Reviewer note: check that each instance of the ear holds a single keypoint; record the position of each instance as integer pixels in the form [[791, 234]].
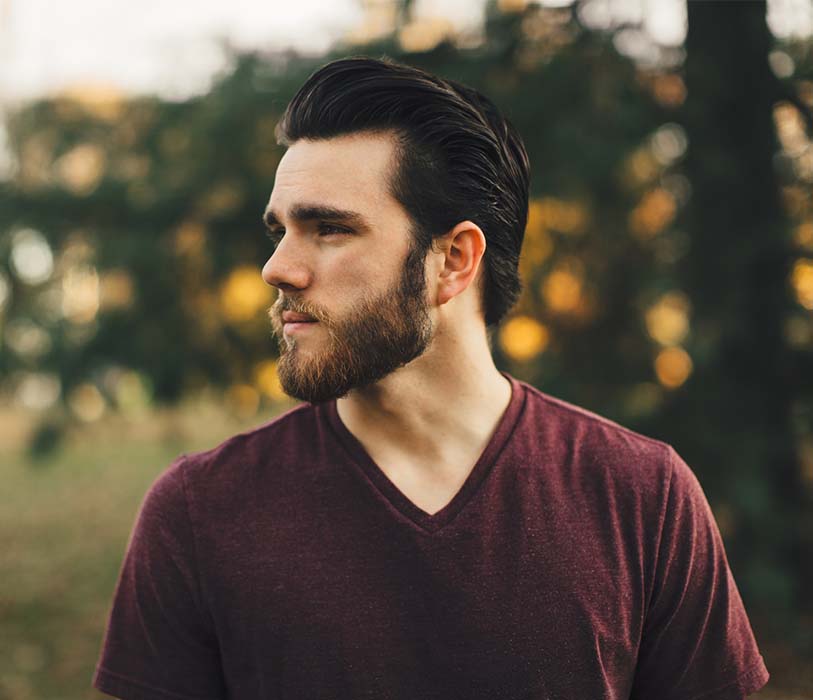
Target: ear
[[463, 248]]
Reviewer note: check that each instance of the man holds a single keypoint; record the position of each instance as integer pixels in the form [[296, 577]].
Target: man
[[423, 526]]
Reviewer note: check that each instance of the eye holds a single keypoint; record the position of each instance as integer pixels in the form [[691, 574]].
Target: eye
[[326, 229], [275, 235]]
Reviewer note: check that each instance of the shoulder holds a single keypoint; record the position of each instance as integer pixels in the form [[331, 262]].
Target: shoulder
[[591, 446], [229, 470], [266, 444]]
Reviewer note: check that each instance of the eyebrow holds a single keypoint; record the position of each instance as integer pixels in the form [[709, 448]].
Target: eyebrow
[[310, 212]]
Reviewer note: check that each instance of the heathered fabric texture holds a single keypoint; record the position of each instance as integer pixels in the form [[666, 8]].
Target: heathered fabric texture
[[578, 561]]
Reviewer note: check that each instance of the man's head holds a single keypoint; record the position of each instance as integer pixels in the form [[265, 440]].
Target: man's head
[[458, 158], [416, 159]]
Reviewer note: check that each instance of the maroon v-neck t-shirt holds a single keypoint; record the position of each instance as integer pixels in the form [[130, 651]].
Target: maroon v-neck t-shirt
[[579, 561]]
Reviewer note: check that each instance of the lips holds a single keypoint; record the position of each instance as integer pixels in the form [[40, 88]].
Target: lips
[[293, 317]]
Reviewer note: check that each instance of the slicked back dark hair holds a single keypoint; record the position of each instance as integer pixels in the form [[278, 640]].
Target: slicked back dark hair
[[458, 158]]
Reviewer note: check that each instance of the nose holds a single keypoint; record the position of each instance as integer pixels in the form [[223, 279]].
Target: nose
[[287, 268]]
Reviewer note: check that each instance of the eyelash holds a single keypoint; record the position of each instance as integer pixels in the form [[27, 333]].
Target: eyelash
[[324, 230]]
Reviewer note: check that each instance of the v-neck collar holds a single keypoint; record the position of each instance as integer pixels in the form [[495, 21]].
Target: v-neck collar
[[387, 490]]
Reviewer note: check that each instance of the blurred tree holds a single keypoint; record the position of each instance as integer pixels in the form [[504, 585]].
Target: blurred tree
[[749, 399], [149, 208]]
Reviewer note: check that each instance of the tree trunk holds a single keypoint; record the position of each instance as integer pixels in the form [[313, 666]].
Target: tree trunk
[[740, 400]]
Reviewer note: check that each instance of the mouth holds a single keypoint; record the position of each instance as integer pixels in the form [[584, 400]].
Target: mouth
[[293, 322], [293, 317]]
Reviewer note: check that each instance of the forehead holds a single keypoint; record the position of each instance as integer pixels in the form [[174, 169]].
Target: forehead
[[347, 172]]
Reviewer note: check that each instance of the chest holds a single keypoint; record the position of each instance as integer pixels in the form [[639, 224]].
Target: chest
[[517, 609]]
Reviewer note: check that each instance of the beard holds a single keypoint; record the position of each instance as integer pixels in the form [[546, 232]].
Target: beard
[[377, 336]]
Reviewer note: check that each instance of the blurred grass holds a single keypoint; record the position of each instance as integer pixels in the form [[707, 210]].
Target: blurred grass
[[64, 524]]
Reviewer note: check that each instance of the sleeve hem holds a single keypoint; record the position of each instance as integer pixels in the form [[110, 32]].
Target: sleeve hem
[[125, 688], [745, 684]]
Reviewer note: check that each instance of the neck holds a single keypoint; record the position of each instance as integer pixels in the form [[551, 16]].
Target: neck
[[435, 407]]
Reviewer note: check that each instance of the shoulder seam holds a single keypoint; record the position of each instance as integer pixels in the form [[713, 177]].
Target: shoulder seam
[[277, 419], [208, 452], [587, 413]]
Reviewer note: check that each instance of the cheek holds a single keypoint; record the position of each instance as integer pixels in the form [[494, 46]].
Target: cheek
[[351, 273]]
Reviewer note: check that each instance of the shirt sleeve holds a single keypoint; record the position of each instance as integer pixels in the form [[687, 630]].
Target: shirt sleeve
[[160, 642], [697, 642]]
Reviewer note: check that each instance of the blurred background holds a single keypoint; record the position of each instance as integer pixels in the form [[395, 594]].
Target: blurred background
[[667, 266]]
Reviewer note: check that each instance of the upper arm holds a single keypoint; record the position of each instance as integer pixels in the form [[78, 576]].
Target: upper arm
[[697, 639], [160, 640]]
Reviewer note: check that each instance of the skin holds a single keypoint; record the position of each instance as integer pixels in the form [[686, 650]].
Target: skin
[[426, 423]]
